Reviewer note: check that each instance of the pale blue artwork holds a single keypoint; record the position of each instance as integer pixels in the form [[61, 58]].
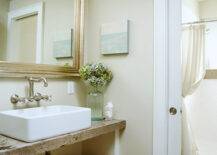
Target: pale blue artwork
[[62, 45], [115, 38]]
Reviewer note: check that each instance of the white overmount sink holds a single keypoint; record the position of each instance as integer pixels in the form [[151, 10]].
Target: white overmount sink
[[43, 122]]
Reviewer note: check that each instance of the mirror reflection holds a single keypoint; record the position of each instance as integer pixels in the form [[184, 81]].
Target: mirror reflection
[[34, 31]]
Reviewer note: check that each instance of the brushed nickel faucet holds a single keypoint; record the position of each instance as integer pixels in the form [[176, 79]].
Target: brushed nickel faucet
[[31, 84], [32, 96]]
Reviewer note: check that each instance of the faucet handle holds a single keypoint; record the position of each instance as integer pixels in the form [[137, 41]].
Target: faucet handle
[[39, 97], [47, 98], [14, 99]]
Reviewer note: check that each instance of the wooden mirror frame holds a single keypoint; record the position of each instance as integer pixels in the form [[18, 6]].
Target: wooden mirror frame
[[8, 69]]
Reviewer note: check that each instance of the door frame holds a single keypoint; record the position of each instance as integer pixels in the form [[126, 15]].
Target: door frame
[[167, 77], [34, 9]]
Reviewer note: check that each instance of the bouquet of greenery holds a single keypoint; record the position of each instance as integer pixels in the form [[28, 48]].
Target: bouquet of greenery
[[96, 75]]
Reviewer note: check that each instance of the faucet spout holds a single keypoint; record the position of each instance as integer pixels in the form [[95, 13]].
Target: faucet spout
[[40, 79], [32, 80]]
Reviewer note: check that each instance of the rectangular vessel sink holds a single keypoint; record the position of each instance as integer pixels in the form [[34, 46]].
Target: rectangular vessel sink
[[43, 122]]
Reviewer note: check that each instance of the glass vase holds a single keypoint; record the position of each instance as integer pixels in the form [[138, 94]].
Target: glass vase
[[95, 101]]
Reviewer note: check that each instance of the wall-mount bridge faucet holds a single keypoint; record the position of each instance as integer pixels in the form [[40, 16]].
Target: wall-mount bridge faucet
[[31, 84], [32, 96]]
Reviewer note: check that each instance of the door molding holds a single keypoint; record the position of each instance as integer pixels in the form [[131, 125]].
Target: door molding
[[167, 77], [34, 9]]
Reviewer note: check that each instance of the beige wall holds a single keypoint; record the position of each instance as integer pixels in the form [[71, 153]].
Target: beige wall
[[4, 7], [208, 9], [56, 88], [58, 20], [131, 90]]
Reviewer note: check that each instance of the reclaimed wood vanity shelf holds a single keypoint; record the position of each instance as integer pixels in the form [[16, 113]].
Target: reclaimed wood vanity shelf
[[16, 147]]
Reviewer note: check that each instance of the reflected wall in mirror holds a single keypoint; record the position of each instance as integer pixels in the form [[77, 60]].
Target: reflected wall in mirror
[[37, 31]]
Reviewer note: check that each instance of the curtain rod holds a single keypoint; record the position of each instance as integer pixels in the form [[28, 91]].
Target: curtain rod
[[202, 21]]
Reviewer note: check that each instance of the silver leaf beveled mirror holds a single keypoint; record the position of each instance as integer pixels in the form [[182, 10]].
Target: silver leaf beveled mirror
[[41, 38]]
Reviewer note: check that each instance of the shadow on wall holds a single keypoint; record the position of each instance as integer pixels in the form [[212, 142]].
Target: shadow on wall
[[81, 92], [3, 40]]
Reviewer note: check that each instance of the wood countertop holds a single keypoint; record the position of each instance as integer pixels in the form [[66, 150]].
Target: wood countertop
[[9, 146]]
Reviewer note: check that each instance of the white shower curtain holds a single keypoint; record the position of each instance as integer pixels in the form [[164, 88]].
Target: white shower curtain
[[193, 58], [193, 72]]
